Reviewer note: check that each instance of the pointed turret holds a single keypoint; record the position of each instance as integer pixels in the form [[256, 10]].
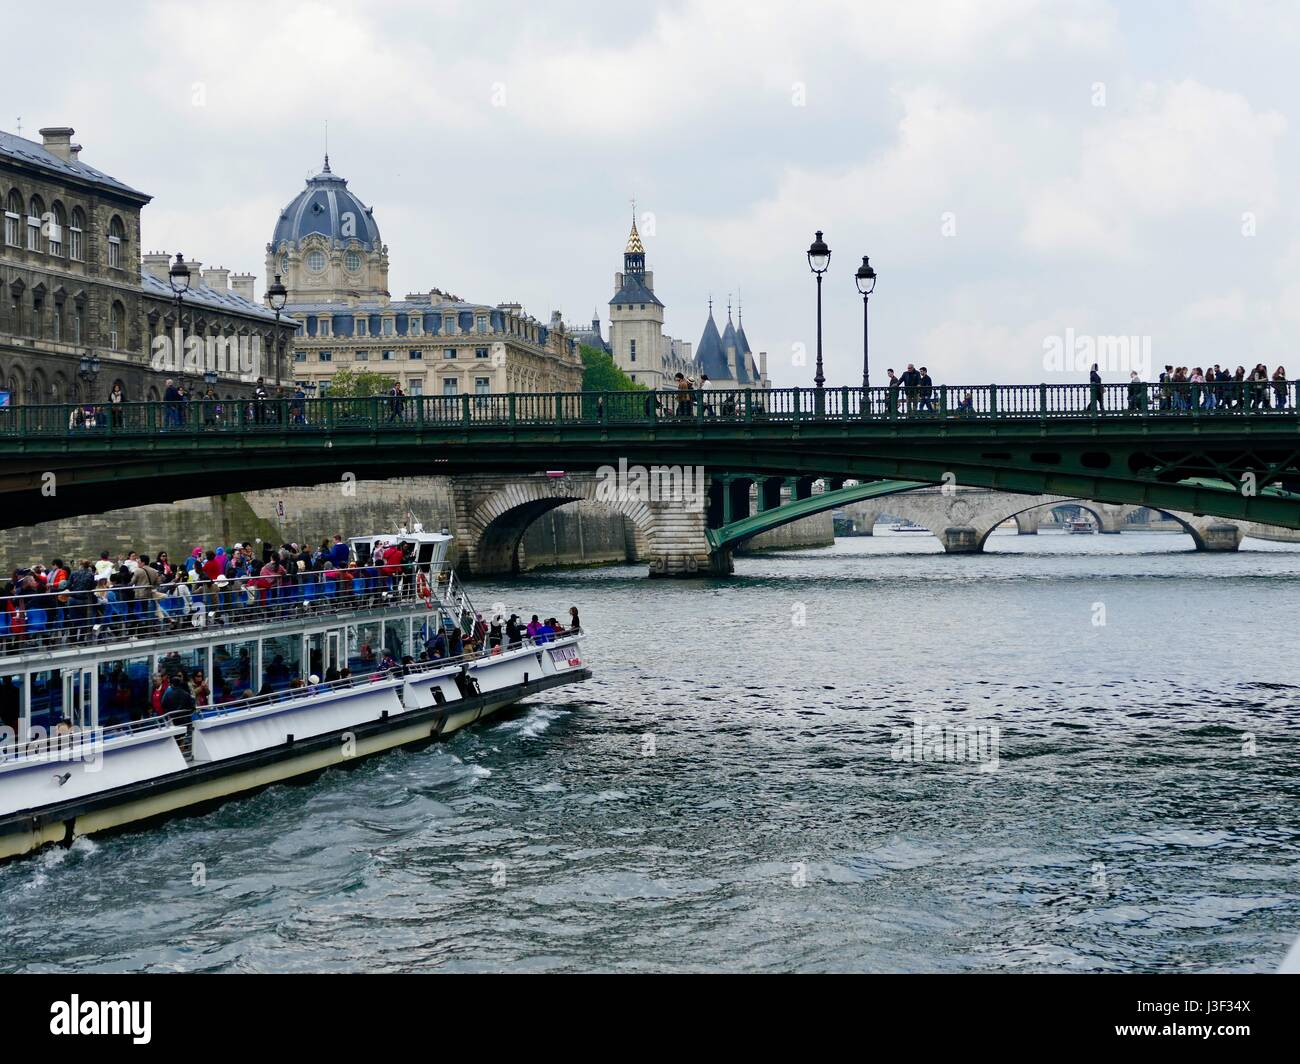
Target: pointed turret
[[710, 356], [744, 356]]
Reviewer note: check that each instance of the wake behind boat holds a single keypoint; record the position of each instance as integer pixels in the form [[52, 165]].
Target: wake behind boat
[[405, 658]]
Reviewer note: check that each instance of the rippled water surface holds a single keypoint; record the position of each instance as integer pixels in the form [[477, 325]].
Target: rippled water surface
[[729, 790]]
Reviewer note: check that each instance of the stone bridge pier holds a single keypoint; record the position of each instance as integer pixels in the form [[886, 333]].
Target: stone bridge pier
[[492, 514], [962, 518]]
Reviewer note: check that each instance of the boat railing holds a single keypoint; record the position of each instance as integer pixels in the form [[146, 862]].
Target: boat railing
[[84, 743], [43, 619], [398, 671]]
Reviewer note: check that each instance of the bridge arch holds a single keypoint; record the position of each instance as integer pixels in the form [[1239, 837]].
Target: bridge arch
[[1208, 533], [493, 523]]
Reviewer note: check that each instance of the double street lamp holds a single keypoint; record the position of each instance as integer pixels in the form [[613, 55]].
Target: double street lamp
[[88, 371]]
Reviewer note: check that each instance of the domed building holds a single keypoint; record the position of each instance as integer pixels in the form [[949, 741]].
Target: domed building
[[326, 244], [328, 253]]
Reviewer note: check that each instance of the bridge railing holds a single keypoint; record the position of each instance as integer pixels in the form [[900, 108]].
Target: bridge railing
[[372, 413]]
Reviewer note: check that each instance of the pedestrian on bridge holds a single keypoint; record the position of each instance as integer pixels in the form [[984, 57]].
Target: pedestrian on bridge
[[1095, 405], [892, 398], [912, 382], [1136, 394], [926, 390]]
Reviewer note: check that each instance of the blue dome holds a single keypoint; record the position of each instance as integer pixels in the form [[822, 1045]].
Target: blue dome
[[326, 207]]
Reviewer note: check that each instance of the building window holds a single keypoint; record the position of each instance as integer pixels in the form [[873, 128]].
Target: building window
[[316, 261], [361, 356], [450, 386], [13, 218], [633, 378], [33, 232], [415, 354], [300, 356], [352, 261], [362, 327], [284, 265], [387, 356], [58, 222], [115, 322], [116, 238], [388, 326], [480, 323], [480, 352], [414, 328], [415, 386], [323, 324], [449, 325], [322, 389], [58, 322], [78, 324], [449, 353], [632, 345], [326, 356], [76, 246], [482, 385]]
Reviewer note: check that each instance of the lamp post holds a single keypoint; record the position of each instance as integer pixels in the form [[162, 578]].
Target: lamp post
[[819, 258], [88, 371], [276, 295], [179, 279], [866, 282]]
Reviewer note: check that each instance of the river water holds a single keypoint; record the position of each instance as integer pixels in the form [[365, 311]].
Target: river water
[[742, 786]]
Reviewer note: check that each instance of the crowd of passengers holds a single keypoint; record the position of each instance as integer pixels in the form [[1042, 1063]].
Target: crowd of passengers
[[139, 595]]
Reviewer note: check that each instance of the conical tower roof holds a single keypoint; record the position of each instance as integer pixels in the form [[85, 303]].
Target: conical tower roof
[[710, 357]]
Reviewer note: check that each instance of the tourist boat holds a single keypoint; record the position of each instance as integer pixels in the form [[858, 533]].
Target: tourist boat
[[87, 757], [908, 526], [1080, 526]]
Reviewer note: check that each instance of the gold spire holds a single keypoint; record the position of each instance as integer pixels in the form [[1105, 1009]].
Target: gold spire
[[634, 245]]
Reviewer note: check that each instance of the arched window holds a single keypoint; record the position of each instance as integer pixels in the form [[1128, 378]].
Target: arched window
[[117, 326], [76, 243], [78, 322], [152, 396], [116, 243], [57, 228], [13, 218], [35, 209], [37, 390], [16, 386]]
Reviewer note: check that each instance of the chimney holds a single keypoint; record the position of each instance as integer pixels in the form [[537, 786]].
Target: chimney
[[156, 262], [242, 285], [57, 140], [217, 278], [762, 364], [196, 272]]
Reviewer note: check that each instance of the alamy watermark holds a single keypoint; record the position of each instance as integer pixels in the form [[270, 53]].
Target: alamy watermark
[[634, 483], [967, 743], [227, 356], [1076, 354]]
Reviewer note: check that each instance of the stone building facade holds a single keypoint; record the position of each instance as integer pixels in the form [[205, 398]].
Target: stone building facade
[[328, 253], [73, 285]]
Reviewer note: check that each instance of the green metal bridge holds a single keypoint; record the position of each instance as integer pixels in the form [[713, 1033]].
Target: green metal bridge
[[1233, 454]]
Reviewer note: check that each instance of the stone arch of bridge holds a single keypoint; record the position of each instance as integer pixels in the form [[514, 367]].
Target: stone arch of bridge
[[492, 526]]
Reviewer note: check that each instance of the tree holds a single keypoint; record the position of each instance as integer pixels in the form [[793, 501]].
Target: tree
[[357, 384], [601, 375]]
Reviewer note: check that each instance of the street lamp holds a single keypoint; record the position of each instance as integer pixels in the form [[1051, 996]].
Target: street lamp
[[276, 295], [819, 258], [179, 279], [866, 281], [88, 371]]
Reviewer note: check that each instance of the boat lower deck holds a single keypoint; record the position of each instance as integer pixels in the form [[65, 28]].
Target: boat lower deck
[[201, 786]]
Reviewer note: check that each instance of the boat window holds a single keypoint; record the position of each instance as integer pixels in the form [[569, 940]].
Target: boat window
[[232, 670], [397, 638], [425, 555], [46, 713], [11, 711], [123, 690], [281, 661], [363, 647]]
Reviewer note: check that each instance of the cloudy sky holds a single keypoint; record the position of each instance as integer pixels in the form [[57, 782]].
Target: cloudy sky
[[1015, 169]]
